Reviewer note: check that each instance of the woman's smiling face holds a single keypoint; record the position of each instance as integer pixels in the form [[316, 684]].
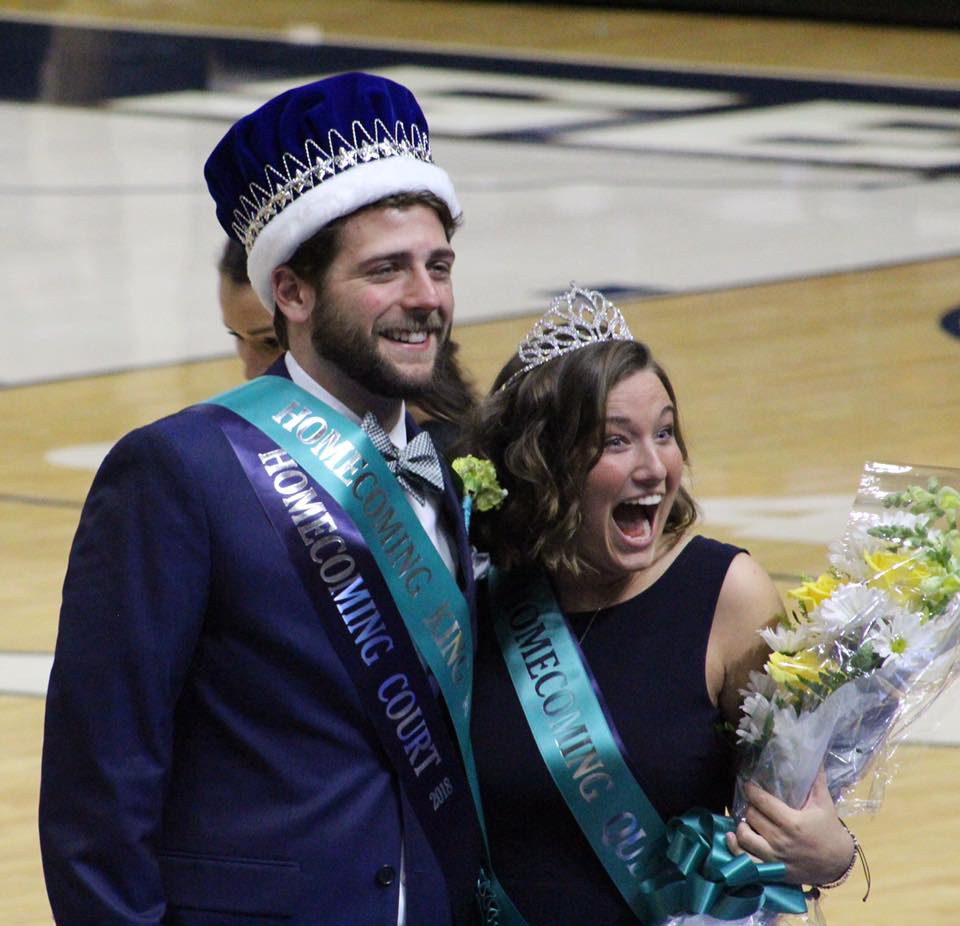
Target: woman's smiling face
[[630, 490]]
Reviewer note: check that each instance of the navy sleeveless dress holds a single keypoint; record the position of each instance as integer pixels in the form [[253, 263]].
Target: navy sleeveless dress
[[648, 655]]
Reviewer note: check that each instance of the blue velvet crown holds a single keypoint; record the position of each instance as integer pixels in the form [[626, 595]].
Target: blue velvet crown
[[313, 154]]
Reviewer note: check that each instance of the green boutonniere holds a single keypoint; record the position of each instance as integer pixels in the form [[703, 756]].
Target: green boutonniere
[[481, 489]]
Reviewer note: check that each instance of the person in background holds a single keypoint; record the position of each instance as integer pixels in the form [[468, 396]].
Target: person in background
[[245, 318], [267, 590], [614, 639]]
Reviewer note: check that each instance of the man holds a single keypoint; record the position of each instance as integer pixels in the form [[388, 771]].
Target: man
[[440, 413], [261, 685]]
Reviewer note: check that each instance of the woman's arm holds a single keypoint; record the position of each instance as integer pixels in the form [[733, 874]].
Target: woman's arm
[[748, 602]]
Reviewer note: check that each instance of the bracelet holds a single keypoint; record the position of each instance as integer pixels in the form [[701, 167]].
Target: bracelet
[[857, 854]]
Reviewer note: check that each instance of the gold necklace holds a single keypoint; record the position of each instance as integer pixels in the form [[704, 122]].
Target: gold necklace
[[589, 625]]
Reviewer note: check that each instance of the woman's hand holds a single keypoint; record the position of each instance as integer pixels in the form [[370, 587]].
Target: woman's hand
[[812, 842]]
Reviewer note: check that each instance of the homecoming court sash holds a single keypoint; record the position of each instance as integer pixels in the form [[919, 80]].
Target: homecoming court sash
[[383, 593], [660, 870]]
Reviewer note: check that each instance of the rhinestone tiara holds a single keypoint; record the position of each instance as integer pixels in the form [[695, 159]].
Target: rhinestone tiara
[[578, 318], [297, 175]]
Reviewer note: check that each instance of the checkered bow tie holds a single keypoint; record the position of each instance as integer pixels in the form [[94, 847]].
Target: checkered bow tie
[[416, 467]]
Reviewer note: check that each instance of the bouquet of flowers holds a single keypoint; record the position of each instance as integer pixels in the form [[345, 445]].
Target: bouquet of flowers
[[869, 645]]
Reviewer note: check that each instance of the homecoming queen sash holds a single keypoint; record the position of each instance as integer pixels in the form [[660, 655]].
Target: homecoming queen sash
[[661, 870], [382, 592]]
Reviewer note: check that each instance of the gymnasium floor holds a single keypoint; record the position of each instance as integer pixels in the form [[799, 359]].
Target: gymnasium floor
[[775, 205]]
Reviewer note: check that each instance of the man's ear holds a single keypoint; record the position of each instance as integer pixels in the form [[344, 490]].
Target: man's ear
[[294, 296]]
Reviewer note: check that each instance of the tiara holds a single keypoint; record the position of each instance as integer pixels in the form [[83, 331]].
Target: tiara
[[298, 175], [578, 318]]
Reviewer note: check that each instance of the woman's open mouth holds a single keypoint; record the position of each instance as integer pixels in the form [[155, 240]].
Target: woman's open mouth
[[637, 516]]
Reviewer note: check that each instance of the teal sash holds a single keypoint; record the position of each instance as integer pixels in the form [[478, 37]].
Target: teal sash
[[660, 870], [339, 456]]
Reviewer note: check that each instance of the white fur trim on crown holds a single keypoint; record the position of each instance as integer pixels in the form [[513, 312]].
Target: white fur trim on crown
[[339, 195]]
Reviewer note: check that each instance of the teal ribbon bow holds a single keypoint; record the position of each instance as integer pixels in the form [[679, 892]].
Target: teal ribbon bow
[[704, 877]]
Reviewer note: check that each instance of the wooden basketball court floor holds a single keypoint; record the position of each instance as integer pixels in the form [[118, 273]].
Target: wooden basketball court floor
[[775, 205]]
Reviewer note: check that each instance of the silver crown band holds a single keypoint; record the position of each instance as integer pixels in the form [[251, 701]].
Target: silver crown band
[[296, 176], [578, 318]]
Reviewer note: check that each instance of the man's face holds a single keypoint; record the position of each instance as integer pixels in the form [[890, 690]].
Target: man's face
[[386, 304]]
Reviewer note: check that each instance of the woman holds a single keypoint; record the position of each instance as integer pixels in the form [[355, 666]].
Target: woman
[[583, 429], [245, 319]]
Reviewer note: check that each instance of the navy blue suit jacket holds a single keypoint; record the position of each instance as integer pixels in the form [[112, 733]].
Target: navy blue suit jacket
[[206, 757]]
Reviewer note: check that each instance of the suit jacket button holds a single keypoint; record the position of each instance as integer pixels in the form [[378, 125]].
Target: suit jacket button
[[385, 875]]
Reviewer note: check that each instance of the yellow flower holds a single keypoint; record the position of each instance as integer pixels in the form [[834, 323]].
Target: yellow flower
[[812, 592], [948, 498], [950, 585], [804, 666], [902, 575]]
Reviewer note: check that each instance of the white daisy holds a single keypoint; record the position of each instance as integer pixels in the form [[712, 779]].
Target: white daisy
[[755, 709], [761, 683], [849, 609], [903, 632], [784, 639]]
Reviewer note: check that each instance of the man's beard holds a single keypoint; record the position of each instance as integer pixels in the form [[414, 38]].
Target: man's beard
[[355, 353]]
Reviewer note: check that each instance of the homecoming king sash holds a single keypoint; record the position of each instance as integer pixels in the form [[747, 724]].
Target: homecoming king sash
[[661, 870], [384, 596]]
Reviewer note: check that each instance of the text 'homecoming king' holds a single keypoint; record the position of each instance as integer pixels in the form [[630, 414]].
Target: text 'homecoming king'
[[341, 457]]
